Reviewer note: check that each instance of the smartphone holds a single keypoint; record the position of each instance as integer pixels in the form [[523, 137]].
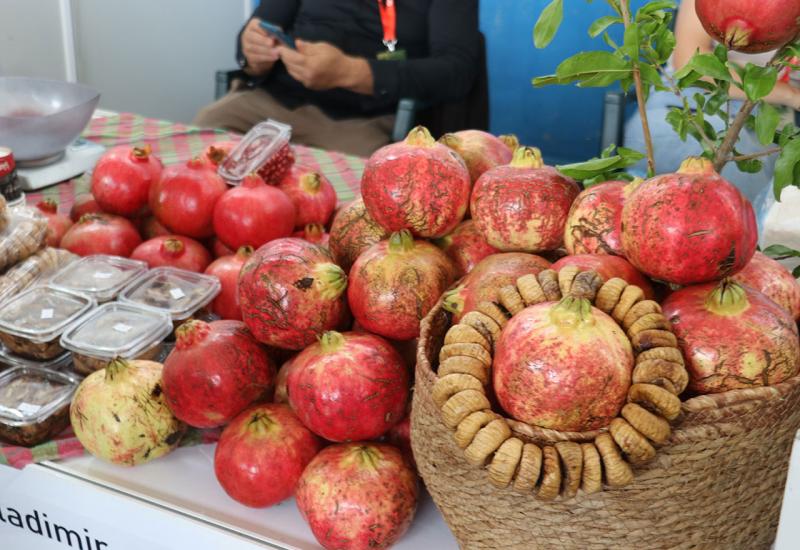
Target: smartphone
[[278, 32]]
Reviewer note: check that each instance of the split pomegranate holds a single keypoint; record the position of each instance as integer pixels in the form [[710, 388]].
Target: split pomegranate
[[84, 204], [281, 392], [57, 224], [215, 154], [353, 231], [313, 233], [218, 248], [594, 222], [395, 283], [480, 150], [227, 269], [262, 453], [252, 214], [750, 26], [122, 178], [689, 227], [101, 234], [348, 387], [608, 267], [416, 184], [313, 196], [359, 496], [290, 292], [183, 199], [173, 251], [151, 228], [524, 205], [466, 246], [215, 371], [563, 366], [774, 281], [732, 337]]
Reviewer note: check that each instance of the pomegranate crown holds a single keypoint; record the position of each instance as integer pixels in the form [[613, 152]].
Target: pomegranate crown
[[728, 298], [141, 153], [420, 137], [527, 157], [190, 333], [172, 246], [401, 241], [331, 341], [696, 165], [115, 369]]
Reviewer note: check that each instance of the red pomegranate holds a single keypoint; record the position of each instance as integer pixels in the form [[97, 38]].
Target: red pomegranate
[[563, 365], [281, 391], [313, 233], [122, 178], [523, 205], [290, 292], [214, 154], [311, 193], [395, 283], [57, 224], [750, 26], [262, 454], [353, 231], [101, 234], [594, 222], [400, 436], [732, 337], [227, 269], [491, 273], [84, 204], [359, 496], [608, 267], [173, 251], [348, 387], [416, 184], [218, 248], [688, 227], [774, 281], [480, 150], [466, 246], [252, 214], [151, 228], [183, 199], [215, 371]]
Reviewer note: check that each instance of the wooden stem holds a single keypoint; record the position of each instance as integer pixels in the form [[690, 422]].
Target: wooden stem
[[764, 153]]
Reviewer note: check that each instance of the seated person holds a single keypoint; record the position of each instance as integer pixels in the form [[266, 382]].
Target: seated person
[[340, 87], [670, 151]]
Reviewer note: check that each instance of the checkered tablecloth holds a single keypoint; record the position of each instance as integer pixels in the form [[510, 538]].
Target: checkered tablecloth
[[172, 143]]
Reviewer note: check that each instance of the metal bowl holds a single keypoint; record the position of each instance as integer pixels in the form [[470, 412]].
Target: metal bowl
[[39, 117]]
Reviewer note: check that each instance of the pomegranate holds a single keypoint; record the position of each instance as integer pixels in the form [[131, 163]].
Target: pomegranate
[[608, 267], [480, 150], [151, 228], [227, 269], [732, 337], [57, 224], [183, 199], [359, 496], [311, 193], [750, 26], [594, 222], [277, 165], [281, 391], [313, 233], [563, 365], [353, 231], [491, 273], [101, 234], [214, 154], [84, 204], [416, 184], [262, 453], [348, 387], [120, 414], [688, 227], [122, 178], [395, 283], [218, 248], [173, 251], [466, 246], [253, 213], [215, 371], [399, 435], [523, 205], [290, 291], [774, 281]]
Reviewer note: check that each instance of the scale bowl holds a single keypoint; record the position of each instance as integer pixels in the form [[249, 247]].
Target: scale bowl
[[40, 117]]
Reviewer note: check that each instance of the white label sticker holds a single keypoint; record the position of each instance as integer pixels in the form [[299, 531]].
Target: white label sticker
[[122, 327], [47, 313], [176, 293], [28, 408], [103, 275]]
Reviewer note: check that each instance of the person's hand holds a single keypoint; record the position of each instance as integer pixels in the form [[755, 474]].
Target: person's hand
[[259, 48], [317, 65]]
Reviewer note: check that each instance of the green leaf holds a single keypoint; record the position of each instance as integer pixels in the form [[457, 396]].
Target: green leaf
[[590, 168], [630, 43], [758, 81], [610, 41], [600, 80], [548, 23], [678, 120], [721, 53], [630, 156], [738, 69], [587, 64], [750, 166], [796, 272], [767, 121], [664, 44], [602, 24], [546, 80], [656, 5], [785, 166], [651, 76], [709, 65], [780, 252]]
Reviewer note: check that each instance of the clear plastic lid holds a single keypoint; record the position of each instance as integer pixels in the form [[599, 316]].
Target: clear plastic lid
[[177, 292], [9, 359], [31, 394], [41, 314], [101, 277], [254, 150], [116, 330]]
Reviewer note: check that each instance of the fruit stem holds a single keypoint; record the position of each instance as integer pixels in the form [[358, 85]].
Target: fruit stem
[[572, 311], [420, 137], [331, 280], [310, 182], [527, 157], [172, 248], [245, 251], [696, 165], [115, 369], [331, 341], [728, 298], [141, 153], [401, 241]]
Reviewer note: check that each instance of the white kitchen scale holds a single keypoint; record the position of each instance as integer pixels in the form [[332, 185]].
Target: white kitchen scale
[[79, 157]]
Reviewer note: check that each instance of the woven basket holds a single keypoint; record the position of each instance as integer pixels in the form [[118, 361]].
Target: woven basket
[[717, 484]]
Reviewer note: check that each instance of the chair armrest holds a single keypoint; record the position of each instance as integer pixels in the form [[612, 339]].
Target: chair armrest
[[224, 79], [613, 119]]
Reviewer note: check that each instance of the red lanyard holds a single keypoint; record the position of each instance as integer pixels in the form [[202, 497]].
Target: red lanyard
[[389, 22]]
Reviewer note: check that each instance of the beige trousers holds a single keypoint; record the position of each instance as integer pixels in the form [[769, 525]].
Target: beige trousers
[[241, 109]]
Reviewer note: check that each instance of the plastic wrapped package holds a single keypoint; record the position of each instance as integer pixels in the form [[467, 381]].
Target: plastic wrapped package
[[8, 360], [34, 269], [101, 277], [265, 145], [24, 234]]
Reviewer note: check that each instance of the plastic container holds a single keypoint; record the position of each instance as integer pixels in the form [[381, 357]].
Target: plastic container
[[10, 360], [34, 404], [32, 322], [34, 270], [176, 292], [255, 149], [115, 330], [101, 277]]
